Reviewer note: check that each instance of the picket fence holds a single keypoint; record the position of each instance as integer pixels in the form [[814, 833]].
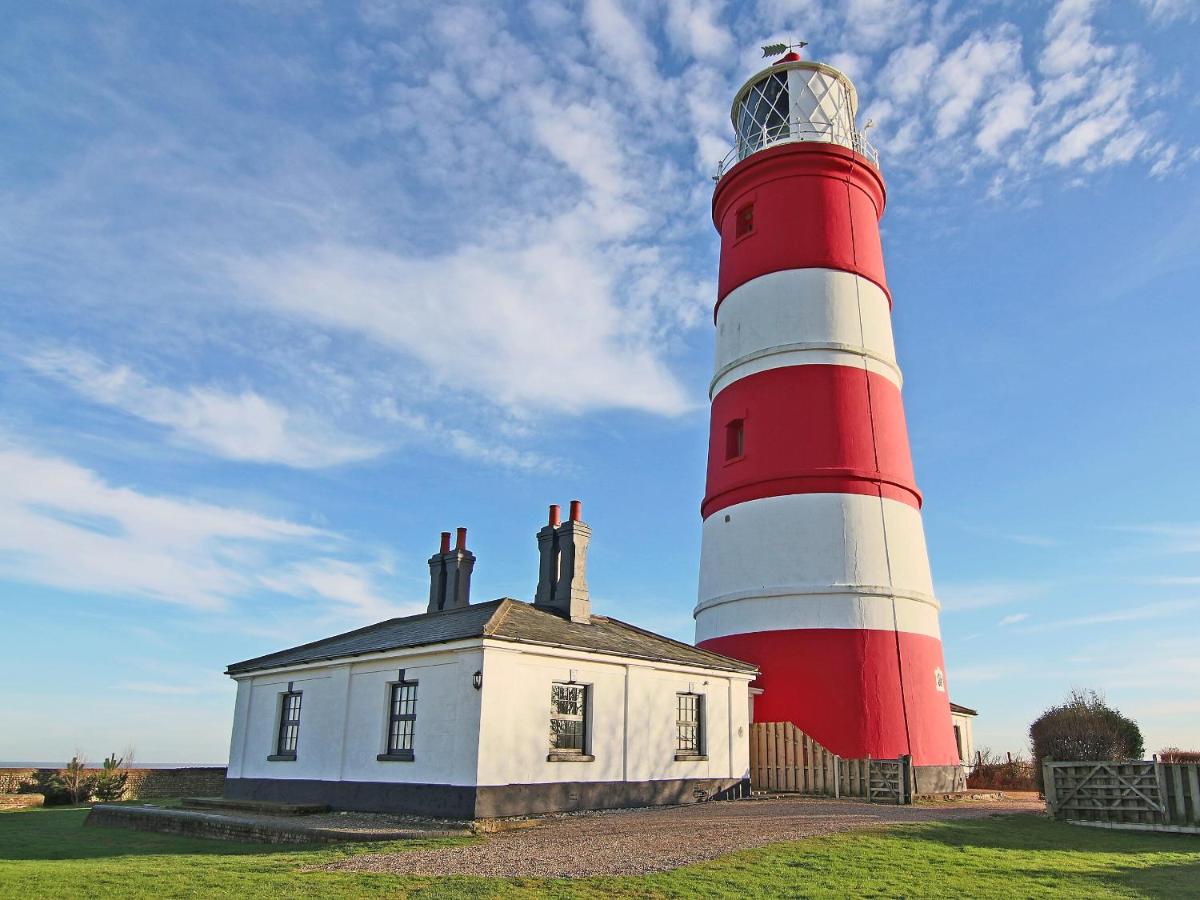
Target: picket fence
[[784, 758]]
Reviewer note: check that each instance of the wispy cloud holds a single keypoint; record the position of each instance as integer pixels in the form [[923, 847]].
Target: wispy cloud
[[1114, 616], [1168, 11], [1013, 619], [64, 526], [968, 596], [241, 426]]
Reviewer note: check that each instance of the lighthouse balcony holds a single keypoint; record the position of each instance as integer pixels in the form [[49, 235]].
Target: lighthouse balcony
[[797, 132]]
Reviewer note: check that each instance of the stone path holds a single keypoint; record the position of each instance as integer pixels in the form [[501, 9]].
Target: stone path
[[634, 842]]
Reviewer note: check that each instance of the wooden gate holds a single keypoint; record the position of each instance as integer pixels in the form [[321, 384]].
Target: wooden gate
[[1136, 794], [887, 780], [784, 758]]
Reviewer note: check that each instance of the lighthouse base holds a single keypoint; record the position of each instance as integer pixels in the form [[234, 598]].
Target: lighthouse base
[[857, 692], [939, 779]]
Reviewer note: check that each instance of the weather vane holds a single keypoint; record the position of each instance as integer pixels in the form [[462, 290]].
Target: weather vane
[[779, 49]]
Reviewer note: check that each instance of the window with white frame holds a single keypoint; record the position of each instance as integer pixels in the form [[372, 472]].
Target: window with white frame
[[568, 718], [689, 724]]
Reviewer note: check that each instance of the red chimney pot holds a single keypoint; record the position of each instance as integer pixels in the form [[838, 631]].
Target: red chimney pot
[[445, 542], [460, 543], [555, 515], [576, 510]]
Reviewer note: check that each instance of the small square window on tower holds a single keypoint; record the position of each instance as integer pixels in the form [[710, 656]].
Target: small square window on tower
[[735, 439], [745, 221]]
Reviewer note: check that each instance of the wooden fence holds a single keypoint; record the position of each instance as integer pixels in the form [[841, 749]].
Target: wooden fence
[[1132, 794], [784, 758]]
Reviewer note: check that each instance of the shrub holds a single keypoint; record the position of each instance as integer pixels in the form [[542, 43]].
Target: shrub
[[78, 781], [110, 781], [1001, 774], [49, 784], [1175, 755], [1084, 728]]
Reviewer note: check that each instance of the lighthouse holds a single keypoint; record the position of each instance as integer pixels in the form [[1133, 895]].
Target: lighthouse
[[813, 559]]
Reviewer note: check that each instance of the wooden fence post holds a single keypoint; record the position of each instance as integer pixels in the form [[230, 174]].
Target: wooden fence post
[[1048, 784]]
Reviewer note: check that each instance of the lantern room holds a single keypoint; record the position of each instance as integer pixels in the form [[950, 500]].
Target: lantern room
[[796, 100]]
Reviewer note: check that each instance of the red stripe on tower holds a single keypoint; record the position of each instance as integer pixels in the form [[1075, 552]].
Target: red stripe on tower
[[813, 562]]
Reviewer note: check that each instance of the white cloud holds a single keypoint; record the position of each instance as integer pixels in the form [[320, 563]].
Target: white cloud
[[64, 526], [978, 67], [966, 596], [241, 426], [465, 444], [694, 27], [1005, 114], [529, 326], [349, 584], [878, 23], [1135, 613], [1167, 11], [1014, 619]]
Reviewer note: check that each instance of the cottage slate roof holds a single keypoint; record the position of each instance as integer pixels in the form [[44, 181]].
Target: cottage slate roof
[[962, 710], [505, 620]]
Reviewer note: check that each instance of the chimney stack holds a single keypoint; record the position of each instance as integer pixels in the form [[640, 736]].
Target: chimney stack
[[450, 574], [562, 573]]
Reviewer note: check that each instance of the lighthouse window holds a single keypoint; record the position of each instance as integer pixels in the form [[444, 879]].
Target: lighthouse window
[[735, 439], [745, 221], [763, 114]]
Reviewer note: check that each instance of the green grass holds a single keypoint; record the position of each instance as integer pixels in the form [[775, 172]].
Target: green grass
[[47, 853]]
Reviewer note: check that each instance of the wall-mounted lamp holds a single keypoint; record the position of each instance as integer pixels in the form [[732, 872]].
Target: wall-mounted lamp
[[477, 680]]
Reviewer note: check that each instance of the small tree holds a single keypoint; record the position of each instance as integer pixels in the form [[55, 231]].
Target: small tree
[[77, 780], [1083, 728], [111, 780]]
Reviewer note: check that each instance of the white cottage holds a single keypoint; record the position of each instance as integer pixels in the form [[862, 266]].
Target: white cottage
[[493, 709]]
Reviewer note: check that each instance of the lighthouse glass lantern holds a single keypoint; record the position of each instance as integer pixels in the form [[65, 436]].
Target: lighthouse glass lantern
[[813, 559], [796, 100]]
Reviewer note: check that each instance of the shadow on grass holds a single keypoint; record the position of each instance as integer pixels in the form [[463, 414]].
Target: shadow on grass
[[59, 833]]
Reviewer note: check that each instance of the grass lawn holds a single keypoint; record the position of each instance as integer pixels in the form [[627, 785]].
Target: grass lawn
[[48, 853]]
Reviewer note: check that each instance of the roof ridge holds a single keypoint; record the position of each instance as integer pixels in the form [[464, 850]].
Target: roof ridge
[[497, 618], [353, 631]]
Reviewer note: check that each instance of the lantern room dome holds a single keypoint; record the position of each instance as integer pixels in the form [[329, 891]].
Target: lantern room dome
[[796, 100]]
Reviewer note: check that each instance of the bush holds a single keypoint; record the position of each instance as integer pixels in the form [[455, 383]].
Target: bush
[[110, 781], [49, 784], [991, 772], [1175, 755], [1084, 728]]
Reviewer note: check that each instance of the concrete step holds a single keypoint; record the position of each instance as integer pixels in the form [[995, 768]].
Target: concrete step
[[257, 807], [232, 826]]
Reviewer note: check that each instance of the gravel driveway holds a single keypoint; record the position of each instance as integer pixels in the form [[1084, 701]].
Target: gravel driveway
[[634, 842]]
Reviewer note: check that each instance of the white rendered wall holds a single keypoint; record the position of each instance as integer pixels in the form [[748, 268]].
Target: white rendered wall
[[496, 736], [815, 561], [964, 724], [343, 721], [804, 317], [631, 719]]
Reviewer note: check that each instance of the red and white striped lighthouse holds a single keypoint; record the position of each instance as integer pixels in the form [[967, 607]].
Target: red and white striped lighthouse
[[813, 563]]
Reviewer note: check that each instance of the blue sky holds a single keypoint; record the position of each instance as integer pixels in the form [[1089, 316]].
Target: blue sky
[[288, 288]]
